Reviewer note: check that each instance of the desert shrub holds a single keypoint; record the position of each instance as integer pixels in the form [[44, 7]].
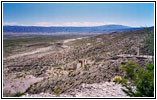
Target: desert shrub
[[139, 81], [94, 63], [57, 91], [18, 94], [118, 79]]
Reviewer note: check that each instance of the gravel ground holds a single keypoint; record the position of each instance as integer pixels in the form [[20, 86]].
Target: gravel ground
[[107, 89]]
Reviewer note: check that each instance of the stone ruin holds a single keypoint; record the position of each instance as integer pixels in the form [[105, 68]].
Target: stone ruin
[[138, 51], [76, 65], [83, 62]]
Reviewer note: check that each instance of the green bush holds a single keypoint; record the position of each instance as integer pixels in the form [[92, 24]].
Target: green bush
[[18, 94], [140, 81]]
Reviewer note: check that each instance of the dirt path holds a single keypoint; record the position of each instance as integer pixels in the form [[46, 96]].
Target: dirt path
[[39, 50], [28, 53], [69, 40]]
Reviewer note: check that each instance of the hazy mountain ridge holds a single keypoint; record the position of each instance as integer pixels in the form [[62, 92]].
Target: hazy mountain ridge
[[104, 28]]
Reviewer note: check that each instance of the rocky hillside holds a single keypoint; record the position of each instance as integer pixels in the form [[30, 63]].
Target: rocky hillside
[[67, 65]]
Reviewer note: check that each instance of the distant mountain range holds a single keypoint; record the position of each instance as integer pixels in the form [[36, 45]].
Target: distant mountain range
[[93, 29]]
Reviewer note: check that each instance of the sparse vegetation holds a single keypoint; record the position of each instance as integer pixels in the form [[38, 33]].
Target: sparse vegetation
[[61, 67]]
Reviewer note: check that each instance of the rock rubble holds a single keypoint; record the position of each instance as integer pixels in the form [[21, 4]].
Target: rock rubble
[[107, 89]]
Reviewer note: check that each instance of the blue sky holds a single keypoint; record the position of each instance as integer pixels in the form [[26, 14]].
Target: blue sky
[[78, 14]]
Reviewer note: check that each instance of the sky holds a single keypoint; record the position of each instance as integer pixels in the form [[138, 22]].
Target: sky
[[78, 14]]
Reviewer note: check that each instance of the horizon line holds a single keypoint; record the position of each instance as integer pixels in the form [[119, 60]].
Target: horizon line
[[76, 26]]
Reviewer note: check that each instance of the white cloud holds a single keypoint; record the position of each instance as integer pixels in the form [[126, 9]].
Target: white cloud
[[43, 24], [73, 24], [9, 23], [47, 24]]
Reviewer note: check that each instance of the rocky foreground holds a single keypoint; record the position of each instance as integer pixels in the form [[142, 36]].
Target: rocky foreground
[[107, 89]]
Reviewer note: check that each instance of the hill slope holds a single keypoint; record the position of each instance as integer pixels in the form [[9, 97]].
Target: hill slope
[[67, 65]]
